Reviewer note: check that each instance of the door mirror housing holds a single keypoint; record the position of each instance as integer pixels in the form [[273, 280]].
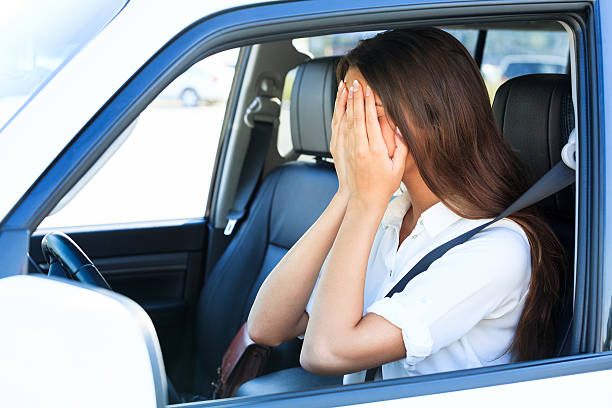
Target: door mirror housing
[[68, 344]]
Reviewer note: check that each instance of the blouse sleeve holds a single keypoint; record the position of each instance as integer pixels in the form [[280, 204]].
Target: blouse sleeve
[[486, 277]]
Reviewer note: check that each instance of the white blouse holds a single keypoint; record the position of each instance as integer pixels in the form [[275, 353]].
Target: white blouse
[[460, 313]]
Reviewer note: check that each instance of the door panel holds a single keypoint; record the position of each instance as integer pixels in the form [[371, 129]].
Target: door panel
[[146, 277], [159, 267]]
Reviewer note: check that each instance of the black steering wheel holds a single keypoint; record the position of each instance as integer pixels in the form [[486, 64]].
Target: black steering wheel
[[68, 261]]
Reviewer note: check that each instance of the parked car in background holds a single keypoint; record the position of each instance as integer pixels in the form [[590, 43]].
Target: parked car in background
[[205, 82], [512, 66], [147, 190]]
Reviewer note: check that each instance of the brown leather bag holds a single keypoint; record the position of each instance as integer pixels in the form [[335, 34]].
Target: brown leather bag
[[243, 361]]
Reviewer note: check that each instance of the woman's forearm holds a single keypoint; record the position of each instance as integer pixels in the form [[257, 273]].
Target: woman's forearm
[[278, 313], [338, 303]]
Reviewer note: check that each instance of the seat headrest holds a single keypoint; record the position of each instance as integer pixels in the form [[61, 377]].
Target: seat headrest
[[312, 106], [536, 116]]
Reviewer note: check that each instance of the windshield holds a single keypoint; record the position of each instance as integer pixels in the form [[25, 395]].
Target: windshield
[[37, 37]]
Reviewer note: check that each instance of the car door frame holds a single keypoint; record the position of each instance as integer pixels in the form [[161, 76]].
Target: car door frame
[[272, 21]]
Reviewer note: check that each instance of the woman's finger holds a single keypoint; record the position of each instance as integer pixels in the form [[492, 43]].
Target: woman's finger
[[359, 126], [339, 108], [400, 153], [340, 104], [348, 117], [375, 137]]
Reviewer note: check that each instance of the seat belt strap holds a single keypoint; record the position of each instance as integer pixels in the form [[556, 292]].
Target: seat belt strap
[[555, 180], [259, 142]]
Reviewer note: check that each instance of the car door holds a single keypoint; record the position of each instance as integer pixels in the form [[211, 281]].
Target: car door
[[139, 212]]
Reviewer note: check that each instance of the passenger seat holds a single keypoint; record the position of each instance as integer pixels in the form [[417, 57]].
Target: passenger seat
[[536, 116]]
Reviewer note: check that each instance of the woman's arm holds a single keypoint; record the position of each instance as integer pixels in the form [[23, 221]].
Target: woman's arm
[[338, 340], [278, 313]]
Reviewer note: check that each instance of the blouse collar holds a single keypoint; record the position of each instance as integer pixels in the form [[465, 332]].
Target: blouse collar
[[435, 219]]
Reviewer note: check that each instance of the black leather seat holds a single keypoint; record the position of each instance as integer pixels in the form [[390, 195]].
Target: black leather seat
[[536, 116], [287, 203]]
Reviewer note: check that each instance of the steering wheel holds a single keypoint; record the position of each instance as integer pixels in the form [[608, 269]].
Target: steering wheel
[[68, 261]]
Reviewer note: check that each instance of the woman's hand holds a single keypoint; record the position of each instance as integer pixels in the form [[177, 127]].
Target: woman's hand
[[336, 145], [372, 173]]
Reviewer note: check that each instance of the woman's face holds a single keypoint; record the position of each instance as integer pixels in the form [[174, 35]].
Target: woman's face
[[387, 126]]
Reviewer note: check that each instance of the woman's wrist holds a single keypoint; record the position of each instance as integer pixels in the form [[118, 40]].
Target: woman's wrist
[[342, 196], [367, 207]]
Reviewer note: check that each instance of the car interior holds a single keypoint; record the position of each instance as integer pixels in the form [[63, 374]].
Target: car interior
[[198, 278]]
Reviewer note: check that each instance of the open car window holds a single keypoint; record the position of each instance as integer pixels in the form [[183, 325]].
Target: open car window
[[161, 167]]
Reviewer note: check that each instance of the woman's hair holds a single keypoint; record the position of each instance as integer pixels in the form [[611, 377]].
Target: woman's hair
[[432, 89]]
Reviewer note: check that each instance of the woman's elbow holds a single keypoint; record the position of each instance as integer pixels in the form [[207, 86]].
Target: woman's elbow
[[261, 335], [319, 358]]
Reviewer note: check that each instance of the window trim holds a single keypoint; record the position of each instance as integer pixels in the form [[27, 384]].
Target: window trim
[[408, 387]]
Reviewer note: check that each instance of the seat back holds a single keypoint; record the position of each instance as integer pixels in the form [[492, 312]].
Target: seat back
[[288, 202], [536, 116]]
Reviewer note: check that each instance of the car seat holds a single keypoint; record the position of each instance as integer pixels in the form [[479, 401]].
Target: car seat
[[287, 203], [536, 116]]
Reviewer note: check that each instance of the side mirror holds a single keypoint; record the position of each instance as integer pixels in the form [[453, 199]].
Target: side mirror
[[66, 344]]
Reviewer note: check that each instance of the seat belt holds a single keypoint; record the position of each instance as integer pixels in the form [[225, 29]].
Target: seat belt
[[555, 180], [262, 117]]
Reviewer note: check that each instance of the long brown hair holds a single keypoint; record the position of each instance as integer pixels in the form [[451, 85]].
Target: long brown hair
[[432, 89]]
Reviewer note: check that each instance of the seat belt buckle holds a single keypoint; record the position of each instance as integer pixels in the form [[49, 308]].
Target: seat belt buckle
[[233, 217]]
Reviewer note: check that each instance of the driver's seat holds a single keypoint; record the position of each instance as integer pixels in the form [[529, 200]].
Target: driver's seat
[[288, 202]]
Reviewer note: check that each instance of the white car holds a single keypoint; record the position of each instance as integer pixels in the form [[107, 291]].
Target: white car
[[205, 81], [515, 65], [155, 302]]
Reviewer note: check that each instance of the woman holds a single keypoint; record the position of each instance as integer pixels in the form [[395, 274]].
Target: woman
[[416, 111]]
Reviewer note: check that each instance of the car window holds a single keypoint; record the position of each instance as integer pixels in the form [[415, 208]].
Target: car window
[[163, 163], [337, 44], [511, 53]]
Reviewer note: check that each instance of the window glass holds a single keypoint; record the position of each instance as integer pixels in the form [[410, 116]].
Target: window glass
[[328, 45], [37, 37], [511, 53], [467, 37], [337, 44], [162, 171], [340, 44]]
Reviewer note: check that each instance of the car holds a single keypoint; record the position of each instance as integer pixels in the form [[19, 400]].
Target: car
[[204, 81], [179, 273], [516, 65]]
